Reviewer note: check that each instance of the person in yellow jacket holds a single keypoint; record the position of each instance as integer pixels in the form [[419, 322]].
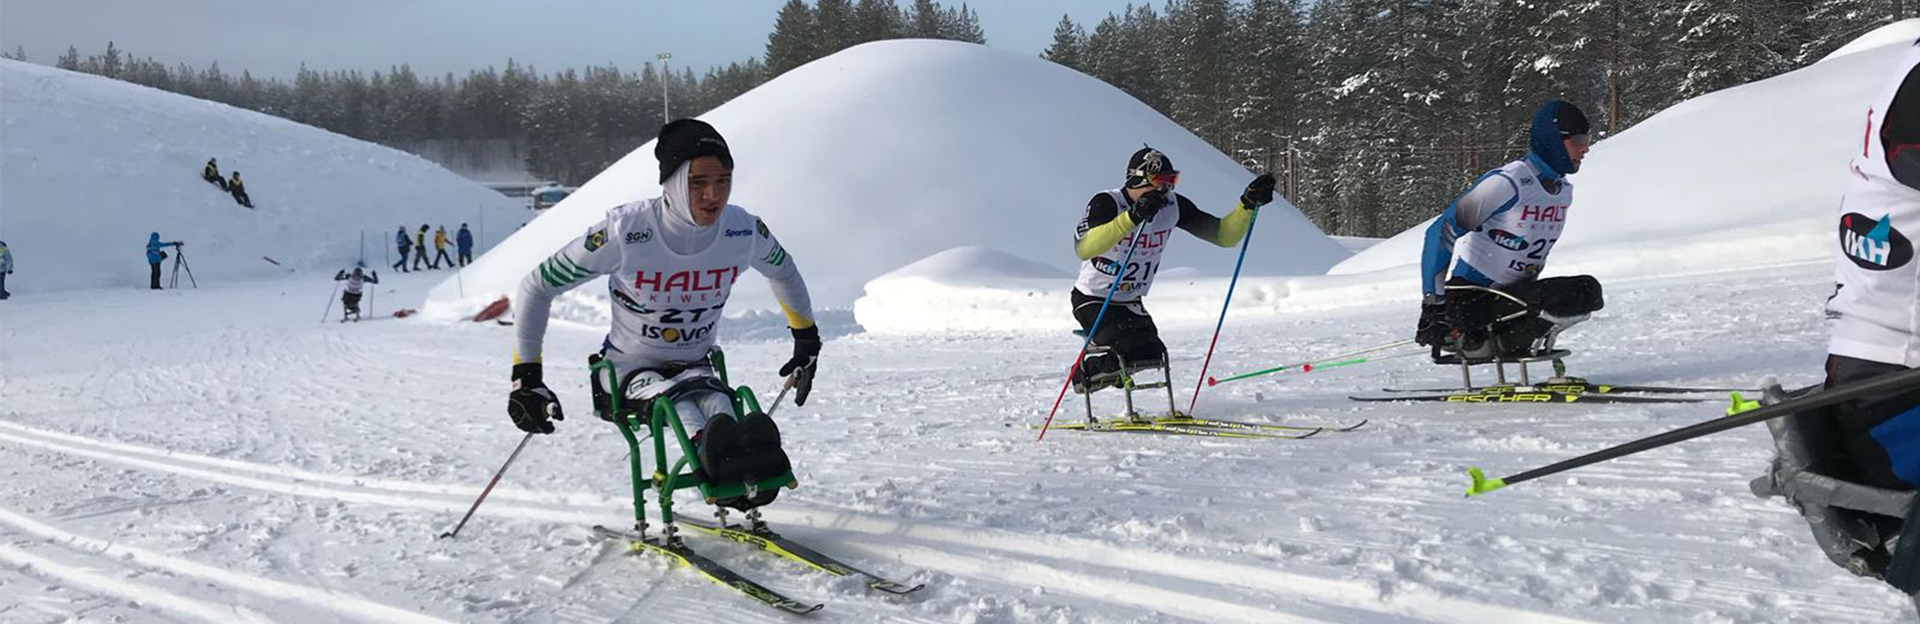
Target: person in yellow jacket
[[211, 173], [420, 249], [440, 248], [239, 191]]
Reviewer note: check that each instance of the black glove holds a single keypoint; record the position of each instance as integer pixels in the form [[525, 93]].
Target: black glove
[[1434, 329], [531, 404], [806, 357], [1148, 206], [1259, 192]]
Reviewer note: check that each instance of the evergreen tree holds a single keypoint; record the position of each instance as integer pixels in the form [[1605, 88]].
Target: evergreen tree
[[791, 44], [925, 20], [832, 26], [1069, 41], [877, 20]]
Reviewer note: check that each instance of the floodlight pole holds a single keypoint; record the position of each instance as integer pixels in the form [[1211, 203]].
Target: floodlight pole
[[666, 103]]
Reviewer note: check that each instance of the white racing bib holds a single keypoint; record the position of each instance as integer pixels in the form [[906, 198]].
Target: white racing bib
[[1147, 243], [1511, 247]]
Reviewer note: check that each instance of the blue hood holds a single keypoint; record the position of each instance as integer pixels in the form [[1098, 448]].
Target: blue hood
[[153, 238], [1544, 137]]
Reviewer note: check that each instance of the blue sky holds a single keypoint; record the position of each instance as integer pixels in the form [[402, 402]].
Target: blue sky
[[272, 37]]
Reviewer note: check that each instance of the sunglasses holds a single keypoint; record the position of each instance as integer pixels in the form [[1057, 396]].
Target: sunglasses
[[1164, 180]]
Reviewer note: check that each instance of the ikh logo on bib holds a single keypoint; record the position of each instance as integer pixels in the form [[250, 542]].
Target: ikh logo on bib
[[1873, 244], [1508, 240]]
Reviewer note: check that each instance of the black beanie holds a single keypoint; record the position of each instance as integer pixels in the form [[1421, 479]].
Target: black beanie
[[682, 140]]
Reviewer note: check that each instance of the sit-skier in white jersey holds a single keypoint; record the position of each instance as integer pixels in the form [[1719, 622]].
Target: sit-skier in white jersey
[[672, 262]]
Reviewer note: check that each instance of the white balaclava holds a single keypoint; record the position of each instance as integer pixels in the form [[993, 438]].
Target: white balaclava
[[680, 233]]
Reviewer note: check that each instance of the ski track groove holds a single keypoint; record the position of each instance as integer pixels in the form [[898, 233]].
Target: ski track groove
[[142, 596], [941, 540], [349, 606]]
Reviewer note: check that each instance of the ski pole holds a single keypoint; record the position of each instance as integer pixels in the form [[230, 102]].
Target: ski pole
[[1308, 368], [489, 489], [1119, 271], [329, 308], [1244, 244], [1909, 378], [784, 387], [1310, 363]]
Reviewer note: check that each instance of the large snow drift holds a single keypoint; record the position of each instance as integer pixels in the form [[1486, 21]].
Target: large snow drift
[[872, 158], [1740, 177], [89, 166]]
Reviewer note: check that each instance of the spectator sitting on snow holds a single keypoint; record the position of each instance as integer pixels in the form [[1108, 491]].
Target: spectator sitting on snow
[[465, 240], [239, 191], [154, 256], [6, 268], [350, 298], [212, 174]]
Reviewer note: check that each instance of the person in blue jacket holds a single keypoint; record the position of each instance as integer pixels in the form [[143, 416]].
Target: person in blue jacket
[[405, 243], [154, 256], [465, 240], [1509, 219]]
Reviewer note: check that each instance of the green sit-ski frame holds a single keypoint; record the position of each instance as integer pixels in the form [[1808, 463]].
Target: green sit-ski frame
[[687, 472]]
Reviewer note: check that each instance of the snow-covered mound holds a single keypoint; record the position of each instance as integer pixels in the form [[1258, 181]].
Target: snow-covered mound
[[1902, 32], [966, 288], [89, 166], [869, 159], [1741, 177]]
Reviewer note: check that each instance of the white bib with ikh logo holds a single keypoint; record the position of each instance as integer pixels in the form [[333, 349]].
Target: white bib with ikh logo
[[1511, 247], [1875, 309], [1136, 278]]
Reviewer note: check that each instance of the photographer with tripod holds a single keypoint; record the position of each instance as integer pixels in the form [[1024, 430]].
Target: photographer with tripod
[[155, 255]]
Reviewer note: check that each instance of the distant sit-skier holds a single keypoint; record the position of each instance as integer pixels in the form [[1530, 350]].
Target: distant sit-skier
[[666, 306], [156, 253], [1511, 218], [420, 249], [405, 243], [440, 248], [464, 240], [239, 191], [6, 268], [1851, 468], [211, 173], [1140, 216], [350, 298]]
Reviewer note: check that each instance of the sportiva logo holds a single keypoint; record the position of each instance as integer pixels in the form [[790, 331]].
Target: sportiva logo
[[1508, 240], [734, 233], [1873, 244]]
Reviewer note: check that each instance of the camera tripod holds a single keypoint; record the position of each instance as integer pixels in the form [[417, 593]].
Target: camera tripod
[[180, 260]]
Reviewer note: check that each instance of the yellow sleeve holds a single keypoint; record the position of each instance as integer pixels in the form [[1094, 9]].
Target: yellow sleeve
[[1234, 226], [1100, 238]]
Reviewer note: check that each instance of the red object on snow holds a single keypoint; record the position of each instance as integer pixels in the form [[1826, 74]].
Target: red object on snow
[[404, 313], [493, 310]]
